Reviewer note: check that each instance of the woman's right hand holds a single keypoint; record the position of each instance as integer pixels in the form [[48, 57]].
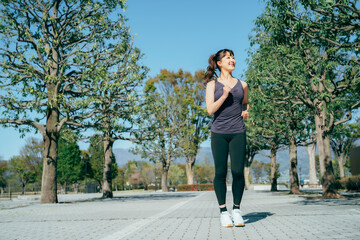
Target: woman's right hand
[[226, 90]]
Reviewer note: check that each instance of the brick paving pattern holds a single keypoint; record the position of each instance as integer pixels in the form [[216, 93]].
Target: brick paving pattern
[[179, 215]]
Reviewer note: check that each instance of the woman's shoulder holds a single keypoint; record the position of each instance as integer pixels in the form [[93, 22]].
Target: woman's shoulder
[[243, 83], [211, 83]]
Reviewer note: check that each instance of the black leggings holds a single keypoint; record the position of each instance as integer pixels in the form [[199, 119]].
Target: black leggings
[[221, 146]]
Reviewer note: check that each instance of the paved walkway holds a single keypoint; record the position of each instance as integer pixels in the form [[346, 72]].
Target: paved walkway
[[179, 215]]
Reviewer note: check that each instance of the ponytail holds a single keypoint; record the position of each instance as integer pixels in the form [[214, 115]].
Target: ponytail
[[210, 71]]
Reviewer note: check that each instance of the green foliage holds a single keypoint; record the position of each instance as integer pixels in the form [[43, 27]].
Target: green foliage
[[96, 154], [343, 138], [139, 173], [3, 173], [205, 172], [176, 174], [27, 166], [69, 167]]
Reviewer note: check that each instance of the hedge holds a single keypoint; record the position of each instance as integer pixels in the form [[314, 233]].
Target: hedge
[[195, 187], [350, 183]]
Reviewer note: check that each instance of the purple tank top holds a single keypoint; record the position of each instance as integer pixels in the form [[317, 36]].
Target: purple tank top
[[228, 119]]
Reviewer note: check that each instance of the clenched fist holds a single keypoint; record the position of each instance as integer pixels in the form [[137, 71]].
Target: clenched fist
[[245, 114]]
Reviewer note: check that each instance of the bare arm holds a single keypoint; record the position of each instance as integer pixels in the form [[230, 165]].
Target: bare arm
[[211, 105]]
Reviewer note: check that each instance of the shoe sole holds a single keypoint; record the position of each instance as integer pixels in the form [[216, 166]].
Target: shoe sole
[[240, 225], [228, 226]]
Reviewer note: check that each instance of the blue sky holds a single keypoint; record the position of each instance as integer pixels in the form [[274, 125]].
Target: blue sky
[[176, 34]]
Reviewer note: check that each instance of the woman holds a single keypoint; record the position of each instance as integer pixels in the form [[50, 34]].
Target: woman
[[227, 99]]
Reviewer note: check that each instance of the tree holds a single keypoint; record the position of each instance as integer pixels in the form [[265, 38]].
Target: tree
[[331, 71], [69, 168], [280, 116], [160, 120], [254, 144], [27, 166], [267, 129], [190, 92], [96, 159], [113, 95], [310, 148], [342, 140], [119, 180], [49, 50], [325, 35]]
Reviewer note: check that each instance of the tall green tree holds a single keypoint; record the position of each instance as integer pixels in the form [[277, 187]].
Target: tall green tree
[[331, 72], [48, 52], [280, 116], [69, 167], [190, 91], [96, 159], [113, 95], [266, 124], [159, 121]]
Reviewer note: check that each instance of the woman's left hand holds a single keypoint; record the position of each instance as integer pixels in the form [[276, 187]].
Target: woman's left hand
[[245, 114]]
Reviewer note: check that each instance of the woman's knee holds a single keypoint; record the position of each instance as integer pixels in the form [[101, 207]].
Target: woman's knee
[[237, 174], [220, 175]]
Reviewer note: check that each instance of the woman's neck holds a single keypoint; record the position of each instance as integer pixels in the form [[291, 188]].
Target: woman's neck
[[225, 75]]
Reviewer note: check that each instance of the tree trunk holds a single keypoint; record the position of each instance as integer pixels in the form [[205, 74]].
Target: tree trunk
[[319, 126], [323, 142], [2, 191], [107, 178], [294, 179], [76, 188], [51, 138], [164, 174], [23, 188], [341, 160], [310, 148], [273, 177], [190, 161]]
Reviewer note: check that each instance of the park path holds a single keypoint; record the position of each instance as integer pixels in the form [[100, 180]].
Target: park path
[[179, 215]]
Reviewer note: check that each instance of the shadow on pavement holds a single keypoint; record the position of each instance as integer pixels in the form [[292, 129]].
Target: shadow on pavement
[[157, 196], [328, 202], [256, 216], [134, 197]]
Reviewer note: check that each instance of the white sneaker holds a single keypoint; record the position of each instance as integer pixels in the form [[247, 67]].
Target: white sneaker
[[225, 219], [238, 220]]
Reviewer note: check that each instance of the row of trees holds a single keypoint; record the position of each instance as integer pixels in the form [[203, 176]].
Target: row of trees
[[304, 74], [75, 168]]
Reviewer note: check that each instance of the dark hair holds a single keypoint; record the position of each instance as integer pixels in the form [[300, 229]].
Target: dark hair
[[213, 59]]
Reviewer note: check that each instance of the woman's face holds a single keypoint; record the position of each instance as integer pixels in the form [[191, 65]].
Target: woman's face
[[227, 62]]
